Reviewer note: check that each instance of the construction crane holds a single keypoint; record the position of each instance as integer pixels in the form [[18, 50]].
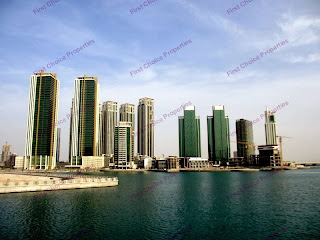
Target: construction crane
[[280, 141]]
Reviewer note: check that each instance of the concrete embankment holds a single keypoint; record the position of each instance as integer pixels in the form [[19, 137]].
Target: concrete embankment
[[245, 170], [205, 170], [12, 183], [123, 170]]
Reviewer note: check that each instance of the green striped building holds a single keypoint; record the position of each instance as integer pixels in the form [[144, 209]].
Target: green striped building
[[85, 132], [218, 136], [41, 134], [189, 133]]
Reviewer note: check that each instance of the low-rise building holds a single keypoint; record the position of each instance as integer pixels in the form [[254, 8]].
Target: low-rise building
[[236, 161], [19, 162], [172, 162], [94, 162], [198, 163], [161, 163], [269, 155], [142, 161]]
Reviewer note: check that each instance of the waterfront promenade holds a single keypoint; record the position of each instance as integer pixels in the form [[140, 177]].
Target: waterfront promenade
[[41, 181]]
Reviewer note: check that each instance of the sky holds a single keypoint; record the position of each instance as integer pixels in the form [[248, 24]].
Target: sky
[[221, 36]]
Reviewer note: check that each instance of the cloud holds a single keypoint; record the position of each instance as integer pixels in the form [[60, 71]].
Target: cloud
[[212, 19], [301, 30], [311, 58]]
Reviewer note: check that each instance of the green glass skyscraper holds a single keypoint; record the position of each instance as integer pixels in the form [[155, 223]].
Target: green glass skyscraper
[[189, 133], [218, 135], [245, 145], [85, 119], [41, 137]]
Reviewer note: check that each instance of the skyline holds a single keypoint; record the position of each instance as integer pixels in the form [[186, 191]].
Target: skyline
[[196, 73]]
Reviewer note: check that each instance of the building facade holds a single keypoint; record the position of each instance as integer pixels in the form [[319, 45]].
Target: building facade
[[58, 144], [19, 162], [127, 114], [218, 135], [269, 155], [41, 134], [228, 135], [94, 162], [145, 162], [245, 144], [123, 151], [198, 163], [270, 128], [109, 119], [189, 133], [172, 162], [70, 130], [85, 120], [12, 161], [146, 127], [6, 153]]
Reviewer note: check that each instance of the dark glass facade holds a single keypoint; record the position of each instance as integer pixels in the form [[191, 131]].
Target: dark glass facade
[[189, 135], [218, 138], [86, 117], [245, 145], [44, 119]]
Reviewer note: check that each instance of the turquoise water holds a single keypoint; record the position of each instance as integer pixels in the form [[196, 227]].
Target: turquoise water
[[188, 205]]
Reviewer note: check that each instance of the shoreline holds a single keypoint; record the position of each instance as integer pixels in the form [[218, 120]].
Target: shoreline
[[83, 173], [15, 182]]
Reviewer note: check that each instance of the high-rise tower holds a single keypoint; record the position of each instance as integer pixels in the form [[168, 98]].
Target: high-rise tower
[[218, 135], [109, 122], [189, 133], [58, 144], [41, 136], [85, 119], [245, 145], [146, 127], [123, 151], [6, 153], [127, 114], [70, 130], [228, 136], [270, 128]]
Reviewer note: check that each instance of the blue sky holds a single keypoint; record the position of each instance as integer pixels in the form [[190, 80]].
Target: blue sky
[[196, 72]]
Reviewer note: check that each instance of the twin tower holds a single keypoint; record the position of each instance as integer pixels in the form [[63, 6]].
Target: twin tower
[[94, 128]]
